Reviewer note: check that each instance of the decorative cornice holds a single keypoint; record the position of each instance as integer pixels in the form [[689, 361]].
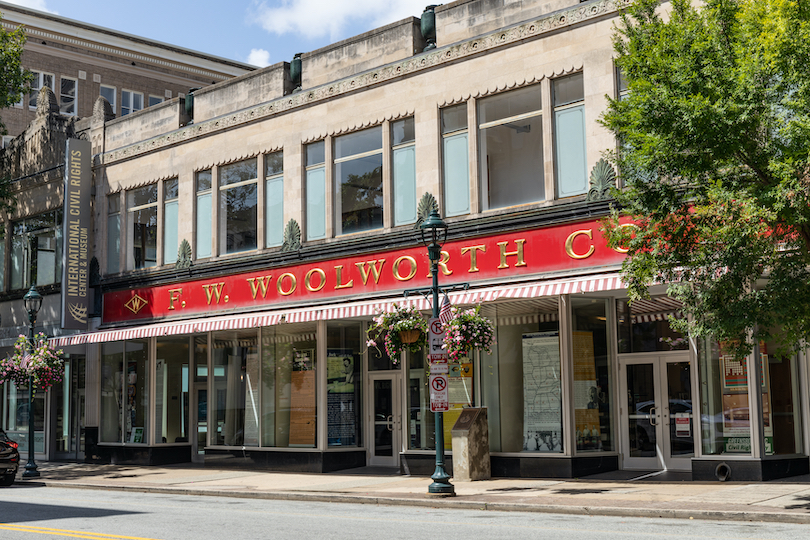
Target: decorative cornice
[[435, 58], [357, 126]]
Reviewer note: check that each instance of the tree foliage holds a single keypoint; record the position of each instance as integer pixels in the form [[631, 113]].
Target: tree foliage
[[13, 78], [714, 154]]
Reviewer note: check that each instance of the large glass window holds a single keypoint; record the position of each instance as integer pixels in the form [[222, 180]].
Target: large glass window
[[780, 401], [456, 165], [238, 211], [14, 417], [403, 142], [204, 209], [113, 233], [316, 191], [143, 227], [569, 132], [521, 380], [644, 325], [108, 93], [171, 215], [235, 401], [67, 96], [172, 390], [288, 408], [344, 344], [421, 422], [358, 181], [125, 391], [511, 148], [36, 250], [274, 199], [592, 380]]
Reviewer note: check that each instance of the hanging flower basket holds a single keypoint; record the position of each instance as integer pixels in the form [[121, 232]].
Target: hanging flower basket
[[467, 330], [44, 364], [403, 329], [409, 336]]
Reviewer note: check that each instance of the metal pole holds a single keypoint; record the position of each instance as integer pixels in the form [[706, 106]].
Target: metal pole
[[31, 467], [441, 480]]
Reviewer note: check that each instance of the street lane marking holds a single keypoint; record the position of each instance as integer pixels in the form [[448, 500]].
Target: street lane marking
[[66, 532]]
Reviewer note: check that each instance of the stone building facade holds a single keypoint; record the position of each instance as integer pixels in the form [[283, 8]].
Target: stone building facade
[[243, 250]]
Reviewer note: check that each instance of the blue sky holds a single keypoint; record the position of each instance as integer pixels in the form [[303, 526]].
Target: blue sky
[[259, 32]]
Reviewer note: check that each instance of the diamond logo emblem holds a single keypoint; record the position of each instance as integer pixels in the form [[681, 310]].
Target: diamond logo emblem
[[135, 304]]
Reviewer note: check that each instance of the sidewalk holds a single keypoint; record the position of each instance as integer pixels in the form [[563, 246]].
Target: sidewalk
[[783, 501]]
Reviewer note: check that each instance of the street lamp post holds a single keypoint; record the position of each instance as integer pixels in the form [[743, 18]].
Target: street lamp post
[[32, 301], [434, 234]]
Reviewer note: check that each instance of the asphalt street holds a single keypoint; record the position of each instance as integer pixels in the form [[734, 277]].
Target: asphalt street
[[29, 512]]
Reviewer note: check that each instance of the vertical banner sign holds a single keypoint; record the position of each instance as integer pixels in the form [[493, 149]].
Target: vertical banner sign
[[76, 235]]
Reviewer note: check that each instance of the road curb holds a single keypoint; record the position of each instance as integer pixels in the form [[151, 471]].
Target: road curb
[[455, 503]]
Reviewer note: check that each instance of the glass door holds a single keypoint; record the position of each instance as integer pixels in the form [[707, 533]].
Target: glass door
[[69, 401], [386, 420], [656, 415]]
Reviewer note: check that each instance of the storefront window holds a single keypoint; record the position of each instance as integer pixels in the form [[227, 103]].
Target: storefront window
[[525, 409], [780, 402], [643, 325], [124, 391], [15, 417], [344, 342], [171, 390], [592, 381], [421, 422], [36, 250], [236, 388], [288, 408], [725, 426]]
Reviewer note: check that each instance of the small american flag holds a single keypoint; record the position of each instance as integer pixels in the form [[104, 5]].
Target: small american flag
[[444, 310]]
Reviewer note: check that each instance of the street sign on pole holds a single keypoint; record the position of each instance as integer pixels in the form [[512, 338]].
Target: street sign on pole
[[439, 401], [437, 358], [436, 351]]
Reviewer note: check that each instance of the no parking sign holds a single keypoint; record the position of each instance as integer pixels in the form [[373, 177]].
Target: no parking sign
[[437, 356]]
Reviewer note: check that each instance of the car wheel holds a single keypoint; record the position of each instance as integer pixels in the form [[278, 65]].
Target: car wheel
[[7, 480]]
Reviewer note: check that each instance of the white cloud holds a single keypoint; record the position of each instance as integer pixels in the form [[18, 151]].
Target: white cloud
[[259, 57], [33, 4], [321, 18]]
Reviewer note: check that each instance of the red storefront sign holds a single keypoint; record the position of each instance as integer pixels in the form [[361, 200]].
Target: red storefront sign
[[504, 256]]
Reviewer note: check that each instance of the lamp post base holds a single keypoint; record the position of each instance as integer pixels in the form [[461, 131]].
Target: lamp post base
[[30, 471]]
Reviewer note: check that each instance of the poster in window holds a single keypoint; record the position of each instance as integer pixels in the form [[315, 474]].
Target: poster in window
[[302, 400], [542, 392], [588, 397], [341, 402]]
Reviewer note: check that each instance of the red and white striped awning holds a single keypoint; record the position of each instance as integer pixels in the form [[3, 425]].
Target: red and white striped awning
[[347, 310], [229, 322]]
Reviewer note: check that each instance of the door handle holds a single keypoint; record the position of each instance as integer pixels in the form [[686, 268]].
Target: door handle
[[390, 422], [653, 421]]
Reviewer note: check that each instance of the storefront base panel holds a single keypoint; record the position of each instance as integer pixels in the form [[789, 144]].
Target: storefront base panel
[[136, 455], [313, 462], [546, 467], [753, 470], [518, 467]]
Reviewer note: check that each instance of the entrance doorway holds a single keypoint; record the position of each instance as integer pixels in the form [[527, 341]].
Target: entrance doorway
[[657, 425], [69, 403], [199, 421], [386, 419]]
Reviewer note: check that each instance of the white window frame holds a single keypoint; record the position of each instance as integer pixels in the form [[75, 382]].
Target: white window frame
[[114, 95], [130, 262], [222, 226], [75, 103], [36, 85], [131, 108]]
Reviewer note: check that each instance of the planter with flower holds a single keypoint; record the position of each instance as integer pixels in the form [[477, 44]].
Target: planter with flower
[[44, 364], [403, 329], [467, 330]]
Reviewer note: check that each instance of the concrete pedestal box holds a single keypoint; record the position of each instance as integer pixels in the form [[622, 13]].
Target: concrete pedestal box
[[471, 446]]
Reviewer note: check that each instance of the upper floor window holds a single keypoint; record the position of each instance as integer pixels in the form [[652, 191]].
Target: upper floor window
[[455, 158], [39, 79], [108, 93], [316, 191], [155, 100], [403, 151], [238, 212], [358, 181], [67, 96], [274, 199], [622, 90], [204, 208], [36, 250], [171, 216], [131, 102], [568, 96], [511, 148], [143, 226]]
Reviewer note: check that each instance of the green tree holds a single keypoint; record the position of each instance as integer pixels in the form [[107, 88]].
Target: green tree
[[13, 78], [714, 154]]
